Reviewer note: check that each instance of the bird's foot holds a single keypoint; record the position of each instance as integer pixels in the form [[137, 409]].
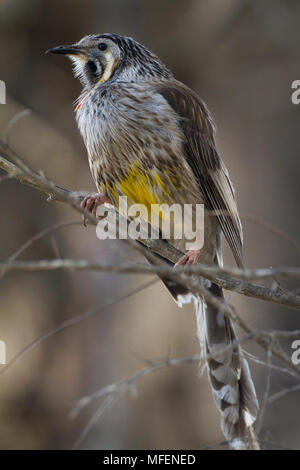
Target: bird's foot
[[92, 202], [189, 259]]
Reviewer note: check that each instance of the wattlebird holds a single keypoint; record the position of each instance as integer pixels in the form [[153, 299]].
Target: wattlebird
[[152, 139]]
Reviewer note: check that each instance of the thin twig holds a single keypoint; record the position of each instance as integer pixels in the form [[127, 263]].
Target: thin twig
[[283, 393], [71, 322], [35, 238], [259, 422], [13, 122], [96, 417], [124, 384], [273, 229]]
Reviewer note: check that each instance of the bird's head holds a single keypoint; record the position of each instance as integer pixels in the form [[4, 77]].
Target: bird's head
[[101, 57]]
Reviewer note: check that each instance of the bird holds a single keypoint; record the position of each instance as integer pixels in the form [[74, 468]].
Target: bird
[[151, 139]]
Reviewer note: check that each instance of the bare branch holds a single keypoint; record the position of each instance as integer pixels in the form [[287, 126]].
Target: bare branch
[[219, 276], [130, 382], [123, 385], [208, 271]]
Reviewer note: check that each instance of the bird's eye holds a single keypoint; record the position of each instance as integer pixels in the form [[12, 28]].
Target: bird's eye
[[102, 46]]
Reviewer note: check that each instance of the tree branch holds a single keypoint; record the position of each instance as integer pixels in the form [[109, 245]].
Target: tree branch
[[25, 175], [219, 276]]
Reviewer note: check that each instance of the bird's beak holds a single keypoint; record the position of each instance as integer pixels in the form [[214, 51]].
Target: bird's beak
[[67, 50]]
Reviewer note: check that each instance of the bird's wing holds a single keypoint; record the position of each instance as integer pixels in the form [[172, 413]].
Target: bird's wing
[[207, 166]]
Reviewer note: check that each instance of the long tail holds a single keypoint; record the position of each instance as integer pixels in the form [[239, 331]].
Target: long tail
[[229, 375], [228, 371]]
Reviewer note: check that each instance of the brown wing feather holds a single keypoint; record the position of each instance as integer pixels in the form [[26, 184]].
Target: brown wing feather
[[203, 158]]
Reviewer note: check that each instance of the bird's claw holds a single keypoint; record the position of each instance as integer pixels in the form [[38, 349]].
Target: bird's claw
[[189, 259], [91, 203]]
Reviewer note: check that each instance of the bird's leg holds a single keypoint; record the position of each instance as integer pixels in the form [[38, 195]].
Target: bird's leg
[[192, 255], [189, 259], [92, 202]]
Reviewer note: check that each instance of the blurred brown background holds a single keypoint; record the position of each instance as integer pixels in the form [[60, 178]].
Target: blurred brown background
[[241, 56]]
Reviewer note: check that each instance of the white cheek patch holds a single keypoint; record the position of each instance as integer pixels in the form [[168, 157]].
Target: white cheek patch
[[111, 63], [78, 64]]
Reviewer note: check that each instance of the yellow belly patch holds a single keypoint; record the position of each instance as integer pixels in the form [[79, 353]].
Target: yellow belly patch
[[141, 187], [146, 187], [150, 189]]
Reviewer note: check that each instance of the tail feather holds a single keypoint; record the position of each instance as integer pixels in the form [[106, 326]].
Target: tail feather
[[228, 370], [229, 376]]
